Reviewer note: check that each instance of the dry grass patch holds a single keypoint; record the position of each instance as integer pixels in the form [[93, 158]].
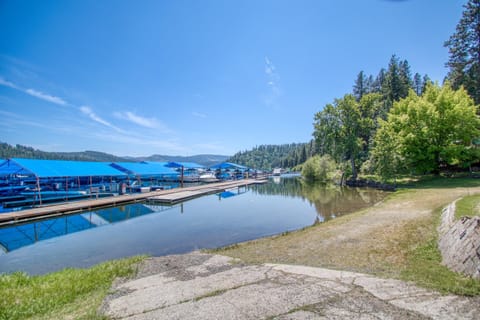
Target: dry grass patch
[[381, 240]]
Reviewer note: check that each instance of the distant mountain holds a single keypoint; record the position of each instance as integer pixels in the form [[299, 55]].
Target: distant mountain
[[206, 160], [19, 151]]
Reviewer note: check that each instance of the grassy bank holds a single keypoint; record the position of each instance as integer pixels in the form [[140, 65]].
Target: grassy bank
[[67, 294], [396, 238], [423, 261], [468, 206]]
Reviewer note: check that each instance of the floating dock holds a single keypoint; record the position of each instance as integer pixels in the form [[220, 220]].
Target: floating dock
[[170, 196]]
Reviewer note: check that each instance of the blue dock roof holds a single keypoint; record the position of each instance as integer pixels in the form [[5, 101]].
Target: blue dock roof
[[57, 168], [228, 165], [185, 165], [144, 168]]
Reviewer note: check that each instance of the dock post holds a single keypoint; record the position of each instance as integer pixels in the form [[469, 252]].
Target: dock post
[[181, 179]]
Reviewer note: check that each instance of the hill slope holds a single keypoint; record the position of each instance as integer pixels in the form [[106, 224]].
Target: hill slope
[[19, 151], [203, 159]]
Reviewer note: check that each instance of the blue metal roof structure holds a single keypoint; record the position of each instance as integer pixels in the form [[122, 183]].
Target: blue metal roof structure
[[144, 168], [228, 165], [185, 165], [57, 168]]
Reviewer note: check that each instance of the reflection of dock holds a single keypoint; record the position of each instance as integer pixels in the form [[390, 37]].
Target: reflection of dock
[[161, 196]]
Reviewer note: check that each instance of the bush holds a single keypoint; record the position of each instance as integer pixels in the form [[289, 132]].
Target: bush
[[320, 169]]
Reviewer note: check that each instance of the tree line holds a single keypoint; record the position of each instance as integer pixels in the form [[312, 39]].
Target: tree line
[[267, 157], [395, 123], [20, 151]]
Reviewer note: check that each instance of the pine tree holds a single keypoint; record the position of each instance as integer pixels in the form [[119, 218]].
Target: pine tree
[[426, 81], [379, 80], [360, 86], [464, 49], [417, 84], [303, 155]]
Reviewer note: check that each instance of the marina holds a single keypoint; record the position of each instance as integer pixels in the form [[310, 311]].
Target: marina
[[170, 196], [209, 221]]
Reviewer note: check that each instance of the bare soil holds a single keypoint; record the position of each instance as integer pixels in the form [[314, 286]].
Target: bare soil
[[373, 241]]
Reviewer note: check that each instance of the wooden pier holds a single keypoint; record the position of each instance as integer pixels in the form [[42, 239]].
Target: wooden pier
[[170, 196]]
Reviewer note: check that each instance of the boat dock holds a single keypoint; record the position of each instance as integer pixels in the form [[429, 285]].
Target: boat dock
[[170, 196]]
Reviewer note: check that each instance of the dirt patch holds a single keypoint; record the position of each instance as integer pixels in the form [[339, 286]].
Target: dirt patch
[[374, 240]]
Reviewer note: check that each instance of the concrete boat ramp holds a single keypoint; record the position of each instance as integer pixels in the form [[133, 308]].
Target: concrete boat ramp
[[170, 196], [202, 286]]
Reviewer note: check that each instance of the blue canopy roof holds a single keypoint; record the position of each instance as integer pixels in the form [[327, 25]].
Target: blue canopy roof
[[186, 165], [228, 165], [57, 168], [144, 168]]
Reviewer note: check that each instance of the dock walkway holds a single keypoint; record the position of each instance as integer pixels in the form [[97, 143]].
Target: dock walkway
[[170, 196]]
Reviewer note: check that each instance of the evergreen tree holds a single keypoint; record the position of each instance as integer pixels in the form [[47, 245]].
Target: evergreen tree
[[303, 155], [426, 82], [379, 81], [464, 49], [360, 86], [405, 77], [418, 84], [397, 80]]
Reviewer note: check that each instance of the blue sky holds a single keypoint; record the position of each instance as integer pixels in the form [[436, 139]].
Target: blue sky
[[190, 77]]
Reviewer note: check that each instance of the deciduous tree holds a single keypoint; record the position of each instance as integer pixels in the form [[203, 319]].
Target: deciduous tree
[[428, 132]]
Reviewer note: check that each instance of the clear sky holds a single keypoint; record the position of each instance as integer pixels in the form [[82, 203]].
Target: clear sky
[[186, 77]]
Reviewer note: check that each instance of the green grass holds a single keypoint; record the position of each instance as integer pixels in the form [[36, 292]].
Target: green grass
[[424, 262], [67, 294], [432, 181], [468, 206]]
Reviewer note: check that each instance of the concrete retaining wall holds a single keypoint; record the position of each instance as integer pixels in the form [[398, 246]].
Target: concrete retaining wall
[[459, 243]]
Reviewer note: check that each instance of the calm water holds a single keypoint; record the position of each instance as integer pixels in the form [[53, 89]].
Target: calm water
[[208, 222]]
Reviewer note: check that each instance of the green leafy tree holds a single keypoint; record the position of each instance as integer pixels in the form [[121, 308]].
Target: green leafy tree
[[464, 49], [319, 168], [385, 158], [371, 111], [427, 133], [327, 132], [338, 129], [351, 130]]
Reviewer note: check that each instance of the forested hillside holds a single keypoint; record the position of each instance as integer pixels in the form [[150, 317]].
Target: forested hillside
[[19, 151], [267, 157], [203, 159]]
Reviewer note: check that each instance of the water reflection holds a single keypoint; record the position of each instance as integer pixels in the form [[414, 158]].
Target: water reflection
[[207, 222], [330, 201], [15, 237]]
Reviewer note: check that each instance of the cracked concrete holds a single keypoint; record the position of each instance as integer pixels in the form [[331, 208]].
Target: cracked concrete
[[203, 286]]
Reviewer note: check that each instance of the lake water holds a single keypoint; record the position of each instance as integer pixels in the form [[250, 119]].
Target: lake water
[[211, 221]]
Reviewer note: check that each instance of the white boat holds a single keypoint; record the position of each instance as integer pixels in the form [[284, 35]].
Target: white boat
[[208, 177], [277, 171]]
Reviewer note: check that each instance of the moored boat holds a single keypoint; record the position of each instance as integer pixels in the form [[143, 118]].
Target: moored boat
[[208, 177]]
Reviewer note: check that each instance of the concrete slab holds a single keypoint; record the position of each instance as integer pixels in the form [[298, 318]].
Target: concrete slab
[[201, 286]]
